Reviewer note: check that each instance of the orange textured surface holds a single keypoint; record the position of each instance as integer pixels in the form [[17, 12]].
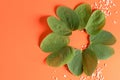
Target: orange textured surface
[[23, 26]]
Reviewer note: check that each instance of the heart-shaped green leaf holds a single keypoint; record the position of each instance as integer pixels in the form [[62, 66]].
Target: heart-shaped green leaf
[[54, 42], [89, 61], [102, 51], [60, 57], [58, 26], [103, 37], [75, 65], [96, 22], [84, 12], [68, 16]]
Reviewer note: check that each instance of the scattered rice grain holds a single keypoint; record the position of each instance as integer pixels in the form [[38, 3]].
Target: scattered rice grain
[[105, 6], [115, 22], [64, 76]]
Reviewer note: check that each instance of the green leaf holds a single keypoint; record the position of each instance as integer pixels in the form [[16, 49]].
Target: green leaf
[[96, 22], [60, 57], [102, 51], [103, 37], [58, 26], [54, 42], [84, 12], [68, 16], [89, 61], [75, 65]]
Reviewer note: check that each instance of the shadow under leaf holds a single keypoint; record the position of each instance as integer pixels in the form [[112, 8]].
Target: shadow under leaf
[[45, 27]]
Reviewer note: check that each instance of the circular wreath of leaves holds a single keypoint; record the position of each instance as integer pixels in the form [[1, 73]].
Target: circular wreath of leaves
[[82, 18]]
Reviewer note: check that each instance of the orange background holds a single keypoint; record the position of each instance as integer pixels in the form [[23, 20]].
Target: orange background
[[22, 27]]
